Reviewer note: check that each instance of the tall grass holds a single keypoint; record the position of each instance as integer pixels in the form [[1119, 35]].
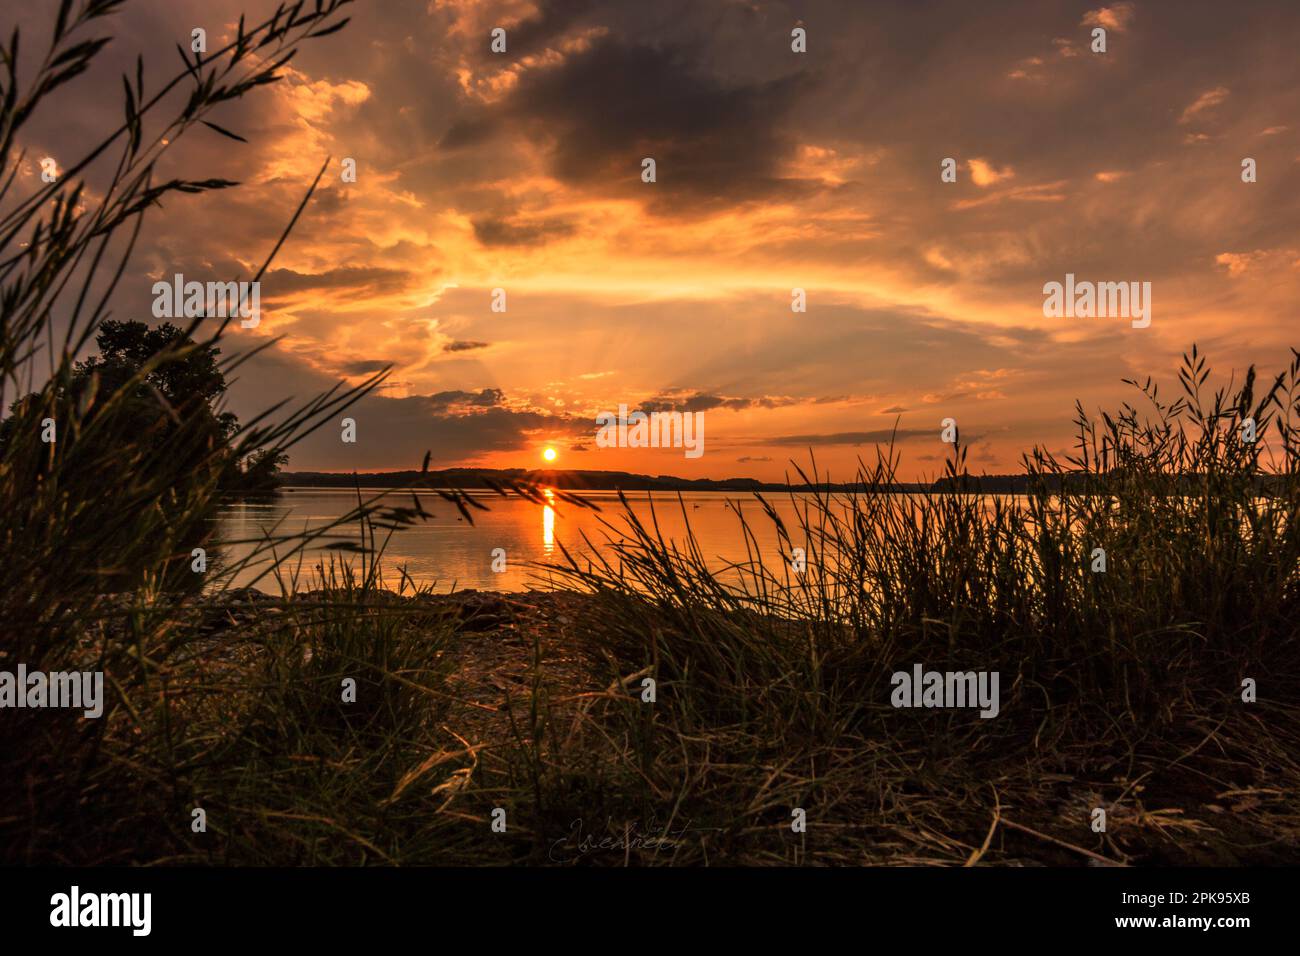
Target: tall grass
[[774, 685], [97, 526], [1120, 689]]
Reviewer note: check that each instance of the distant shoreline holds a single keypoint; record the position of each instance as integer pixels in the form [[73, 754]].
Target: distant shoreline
[[483, 479], [474, 479]]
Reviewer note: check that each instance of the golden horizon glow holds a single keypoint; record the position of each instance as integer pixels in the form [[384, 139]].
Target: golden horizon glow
[[921, 298]]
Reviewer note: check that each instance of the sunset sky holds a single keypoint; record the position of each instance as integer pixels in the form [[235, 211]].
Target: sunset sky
[[775, 170]]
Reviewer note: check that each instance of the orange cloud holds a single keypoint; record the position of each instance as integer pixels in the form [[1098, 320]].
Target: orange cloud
[[1206, 101], [983, 173], [1115, 17]]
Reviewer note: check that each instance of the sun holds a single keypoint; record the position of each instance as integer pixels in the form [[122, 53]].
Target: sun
[[549, 454]]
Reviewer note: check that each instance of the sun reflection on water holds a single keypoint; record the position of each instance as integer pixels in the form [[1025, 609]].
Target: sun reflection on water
[[548, 523]]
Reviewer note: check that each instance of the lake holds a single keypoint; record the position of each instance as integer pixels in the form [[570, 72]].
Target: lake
[[446, 551]]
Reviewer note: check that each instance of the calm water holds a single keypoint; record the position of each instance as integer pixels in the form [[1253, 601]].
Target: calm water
[[446, 551]]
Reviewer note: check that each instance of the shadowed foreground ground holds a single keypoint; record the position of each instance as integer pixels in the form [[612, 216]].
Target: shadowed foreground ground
[[527, 706]]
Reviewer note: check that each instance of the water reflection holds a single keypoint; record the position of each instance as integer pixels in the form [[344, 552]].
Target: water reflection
[[447, 551], [548, 523]]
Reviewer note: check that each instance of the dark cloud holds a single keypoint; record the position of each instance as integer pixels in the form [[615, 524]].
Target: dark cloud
[[367, 367], [391, 430], [693, 403], [485, 398], [609, 106], [456, 427], [704, 403], [516, 232], [464, 346], [467, 132], [553, 17], [880, 436], [355, 281]]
